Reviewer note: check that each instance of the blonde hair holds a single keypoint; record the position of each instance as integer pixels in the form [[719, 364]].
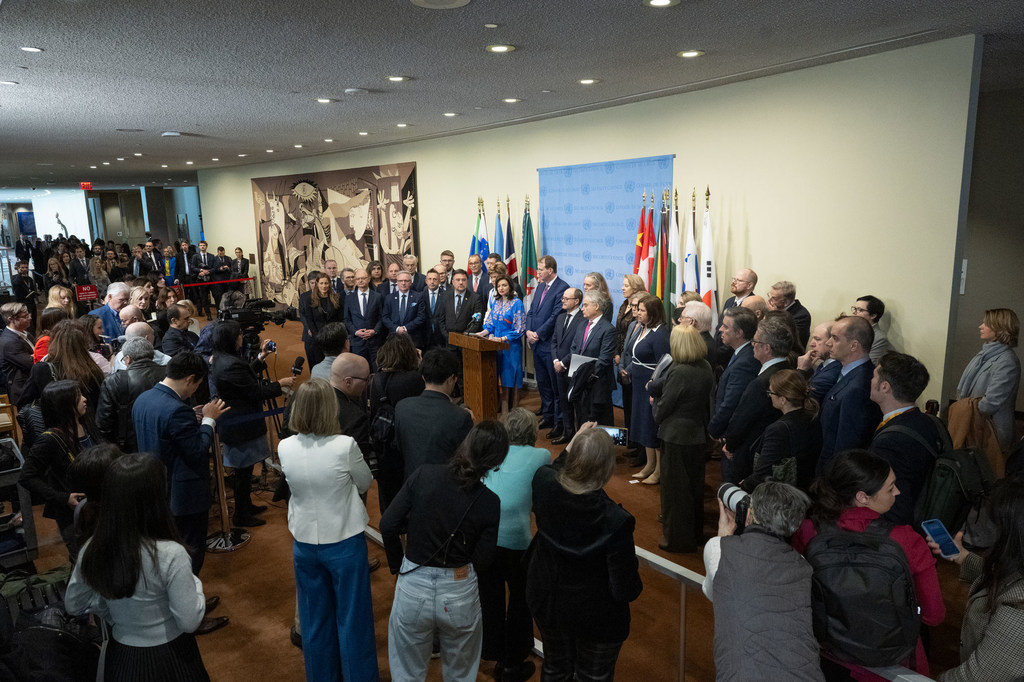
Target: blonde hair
[[193, 312], [636, 282], [136, 295], [314, 409], [590, 462], [53, 300], [1004, 324], [686, 345], [688, 297]]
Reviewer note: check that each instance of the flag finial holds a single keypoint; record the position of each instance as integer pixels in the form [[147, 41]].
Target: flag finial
[[694, 198], [676, 197], [498, 202], [707, 197]]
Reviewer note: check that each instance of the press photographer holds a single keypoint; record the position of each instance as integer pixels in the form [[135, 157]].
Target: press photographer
[[235, 378]]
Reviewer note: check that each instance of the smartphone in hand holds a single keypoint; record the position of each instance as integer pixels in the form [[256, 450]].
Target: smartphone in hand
[[936, 530]]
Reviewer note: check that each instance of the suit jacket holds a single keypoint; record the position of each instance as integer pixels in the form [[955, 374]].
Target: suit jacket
[[428, 429], [484, 287], [316, 317], [434, 334], [23, 249], [239, 268], [738, 373], [802, 320], [178, 341], [880, 346], [419, 281], [355, 319], [147, 259], [681, 401], [415, 320], [541, 316], [238, 384], [910, 460], [78, 273], [794, 434], [354, 421], [463, 323], [384, 288], [824, 378], [562, 338], [753, 413], [22, 288], [179, 268], [15, 362], [166, 427], [197, 265], [848, 417], [601, 343]]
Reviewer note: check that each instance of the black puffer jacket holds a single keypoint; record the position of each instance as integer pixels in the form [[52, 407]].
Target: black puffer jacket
[[118, 394]]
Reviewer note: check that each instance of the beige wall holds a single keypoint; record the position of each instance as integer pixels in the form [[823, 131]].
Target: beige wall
[[995, 218], [844, 178]]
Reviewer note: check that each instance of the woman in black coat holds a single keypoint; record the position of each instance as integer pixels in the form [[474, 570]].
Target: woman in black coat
[[680, 399], [793, 441], [243, 435], [317, 307], [582, 571]]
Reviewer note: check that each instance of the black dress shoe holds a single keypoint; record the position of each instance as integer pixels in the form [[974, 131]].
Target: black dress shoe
[[208, 625], [248, 521], [295, 637], [545, 424], [556, 432], [257, 508], [211, 603], [373, 564], [562, 440], [519, 673]]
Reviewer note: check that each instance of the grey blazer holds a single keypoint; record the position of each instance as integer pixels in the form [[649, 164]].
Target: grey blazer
[[997, 382]]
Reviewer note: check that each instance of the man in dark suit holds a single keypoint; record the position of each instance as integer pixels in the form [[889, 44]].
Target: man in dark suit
[[821, 377], [433, 298], [428, 427], [16, 346], [221, 272], [151, 257], [567, 325], [463, 310], [204, 265], [239, 270], [350, 374], [26, 287], [737, 329], [479, 283], [79, 268], [782, 296], [742, 285], [596, 338], [908, 438], [390, 284], [405, 313], [540, 322], [166, 427], [848, 417], [448, 261], [410, 263], [363, 319], [23, 248], [178, 339], [771, 345]]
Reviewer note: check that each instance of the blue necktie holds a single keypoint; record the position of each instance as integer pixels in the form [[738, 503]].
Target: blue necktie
[[401, 309]]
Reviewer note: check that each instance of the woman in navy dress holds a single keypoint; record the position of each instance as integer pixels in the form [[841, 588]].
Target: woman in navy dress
[[506, 321], [648, 348]]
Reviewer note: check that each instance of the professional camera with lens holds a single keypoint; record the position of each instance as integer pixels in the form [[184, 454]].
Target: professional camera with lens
[[253, 318], [738, 500]]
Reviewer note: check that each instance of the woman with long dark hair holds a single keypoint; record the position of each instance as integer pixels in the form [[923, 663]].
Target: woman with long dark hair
[[397, 377], [375, 269], [243, 439], [46, 467], [135, 574], [646, 349], [318, 307], [326, 473], [993, 622], [451, 522], [857, 489], [48, 319], [506, 322], [67, 358]]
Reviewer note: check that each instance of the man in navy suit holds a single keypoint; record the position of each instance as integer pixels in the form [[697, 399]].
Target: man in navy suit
[[390, 284], [419, 281], [596, 338], [771, 345], [848, 417], [405, 313], [737, 329], [433, 298], [782, 296], [479, 283], [742, 285], [363, 319], [540, 322], [567, 324], [822, 377], [463, 310], [78, 269]]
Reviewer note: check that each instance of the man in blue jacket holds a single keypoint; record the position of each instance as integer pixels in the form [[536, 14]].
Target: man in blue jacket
[[540, 324]]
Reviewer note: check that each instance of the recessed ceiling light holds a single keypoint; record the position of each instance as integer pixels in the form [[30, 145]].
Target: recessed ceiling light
[[402, 125], [92, 166], [106, 163], [690, 54], [137, 154], [328, 139], [120, 158], [661, 3], [170, 133], [450, 114], [511, 100], [242, 155], [500, 48], [545, 91], [588, 81], [478, 108], [325, 100], [297, 146], [8, 82], [215, 159], [490, 26], [188, 163], [31, 49], [398, 79], [270, 151], [440, 4], [363, 132], [163, 165]]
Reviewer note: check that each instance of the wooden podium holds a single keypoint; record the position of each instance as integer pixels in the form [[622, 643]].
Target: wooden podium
[[479, 373]]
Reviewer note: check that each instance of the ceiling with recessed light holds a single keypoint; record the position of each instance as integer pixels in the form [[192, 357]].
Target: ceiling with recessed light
[[237, 80]]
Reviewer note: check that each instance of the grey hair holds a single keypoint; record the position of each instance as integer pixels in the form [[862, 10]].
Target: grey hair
[[137, 348], [779, 508], [777, 335], [700, 313], [595, 297], [590, 462], [118, 288], [786, 289], [521, 425]]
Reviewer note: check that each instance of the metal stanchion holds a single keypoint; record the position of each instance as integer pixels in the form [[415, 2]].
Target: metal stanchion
[[228, 539]]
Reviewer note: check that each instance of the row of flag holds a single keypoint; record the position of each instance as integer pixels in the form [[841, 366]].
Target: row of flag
[[667, 261], [504, 243]]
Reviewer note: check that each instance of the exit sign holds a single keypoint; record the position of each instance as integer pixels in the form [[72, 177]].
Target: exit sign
[[85, 185]]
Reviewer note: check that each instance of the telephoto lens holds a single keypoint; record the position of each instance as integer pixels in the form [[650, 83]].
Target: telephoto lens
[[736, 499]]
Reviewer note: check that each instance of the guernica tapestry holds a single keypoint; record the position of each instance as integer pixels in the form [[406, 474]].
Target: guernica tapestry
[[352, 216]]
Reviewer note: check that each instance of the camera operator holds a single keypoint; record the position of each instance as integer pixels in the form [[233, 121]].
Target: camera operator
[[761, 588], [243, 435]]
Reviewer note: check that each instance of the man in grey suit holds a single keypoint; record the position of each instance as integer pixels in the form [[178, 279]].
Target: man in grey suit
[[596, 339], [872, 309], [428, 427], [782, 296]]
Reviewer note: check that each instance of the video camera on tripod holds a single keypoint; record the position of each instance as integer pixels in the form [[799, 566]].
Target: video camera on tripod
[[253, 318]]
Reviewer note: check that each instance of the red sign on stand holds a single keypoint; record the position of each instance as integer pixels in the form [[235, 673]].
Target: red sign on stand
[[86, 292]]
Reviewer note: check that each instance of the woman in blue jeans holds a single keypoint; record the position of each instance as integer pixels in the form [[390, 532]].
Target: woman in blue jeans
[[326, 473], [451, 523]]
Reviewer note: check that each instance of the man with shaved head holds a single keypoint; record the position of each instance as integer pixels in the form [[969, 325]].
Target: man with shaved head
[[144, 331], [350, 374], [131, 314], [742, 285], [755, 304]]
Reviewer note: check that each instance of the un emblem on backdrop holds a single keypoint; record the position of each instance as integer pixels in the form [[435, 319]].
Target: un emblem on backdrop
[[629, 186], [609, 207], [609, 241], [569, 270], [585, 189], [586, 256], [568, 209], [568, 239], [586, 224], [609, 275]]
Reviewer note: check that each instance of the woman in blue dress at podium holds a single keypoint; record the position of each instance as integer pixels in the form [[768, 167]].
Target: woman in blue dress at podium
[[506, 321]]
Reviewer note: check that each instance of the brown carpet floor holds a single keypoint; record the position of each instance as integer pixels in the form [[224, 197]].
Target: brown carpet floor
[[257, 586]]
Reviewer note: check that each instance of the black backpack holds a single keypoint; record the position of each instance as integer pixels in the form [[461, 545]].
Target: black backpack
[[862, 595], [382, 427]]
